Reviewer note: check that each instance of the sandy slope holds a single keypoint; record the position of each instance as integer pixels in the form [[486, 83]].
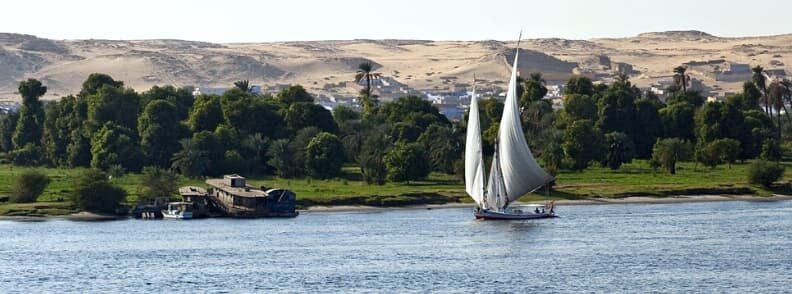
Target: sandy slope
[[323, 66]]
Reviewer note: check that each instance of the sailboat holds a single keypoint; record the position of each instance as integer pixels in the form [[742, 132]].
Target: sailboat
[[514, 171]]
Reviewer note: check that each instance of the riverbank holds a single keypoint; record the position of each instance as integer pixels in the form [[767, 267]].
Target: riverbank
[[87, 216], [564, 202]]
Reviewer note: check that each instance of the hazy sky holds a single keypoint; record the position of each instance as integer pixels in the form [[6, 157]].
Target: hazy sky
[[286, 20]]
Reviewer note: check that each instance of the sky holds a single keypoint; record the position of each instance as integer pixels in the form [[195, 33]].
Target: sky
[[300, 20]]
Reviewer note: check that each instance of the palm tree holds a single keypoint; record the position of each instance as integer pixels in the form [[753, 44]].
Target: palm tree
[[760, 81], [366, 71], [775, 95], [681, 78], [243, 85]]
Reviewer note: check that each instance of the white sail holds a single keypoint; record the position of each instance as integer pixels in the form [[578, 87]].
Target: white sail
[[474, 164], [520, 172], [495, 186]]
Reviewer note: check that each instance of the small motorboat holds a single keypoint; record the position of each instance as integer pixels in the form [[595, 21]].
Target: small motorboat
[[178, 210]]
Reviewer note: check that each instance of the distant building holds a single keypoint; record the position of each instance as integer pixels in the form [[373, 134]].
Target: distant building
[[220, 91]]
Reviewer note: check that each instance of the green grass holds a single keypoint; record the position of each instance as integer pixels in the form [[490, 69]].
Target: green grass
[[636, 178]]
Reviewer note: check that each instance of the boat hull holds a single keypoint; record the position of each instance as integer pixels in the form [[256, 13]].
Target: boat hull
[[493, 215], [182, 215]]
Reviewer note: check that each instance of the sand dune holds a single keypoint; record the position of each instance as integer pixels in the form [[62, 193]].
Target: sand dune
[[323, 66]]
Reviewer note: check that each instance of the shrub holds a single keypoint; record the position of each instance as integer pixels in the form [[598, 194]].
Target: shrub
[[94, 193], [26, 156], [771, 150], [764, 173], [116, 171], [28, 186]]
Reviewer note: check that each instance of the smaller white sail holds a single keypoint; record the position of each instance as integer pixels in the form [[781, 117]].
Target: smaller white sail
[[474, 163]]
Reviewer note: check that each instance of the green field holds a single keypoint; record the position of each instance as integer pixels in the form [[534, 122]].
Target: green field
[[636, 179]]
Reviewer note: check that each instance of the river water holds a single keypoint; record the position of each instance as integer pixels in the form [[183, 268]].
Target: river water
[[695, 247]]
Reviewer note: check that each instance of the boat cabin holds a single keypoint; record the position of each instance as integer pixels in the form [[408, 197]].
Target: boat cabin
[[236, 198]]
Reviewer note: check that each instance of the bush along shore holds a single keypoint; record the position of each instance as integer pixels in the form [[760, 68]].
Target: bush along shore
[[109, 146]]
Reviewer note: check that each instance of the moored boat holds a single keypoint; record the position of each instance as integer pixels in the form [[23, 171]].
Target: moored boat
[[178, 210]]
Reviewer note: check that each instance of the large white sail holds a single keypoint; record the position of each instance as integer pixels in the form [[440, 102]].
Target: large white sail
[[520, 172], [474, 163]]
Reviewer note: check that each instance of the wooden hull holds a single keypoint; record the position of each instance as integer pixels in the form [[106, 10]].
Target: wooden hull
[[493, 215]]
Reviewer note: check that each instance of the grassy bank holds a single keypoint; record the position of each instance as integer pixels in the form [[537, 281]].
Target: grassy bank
[[636, 179]]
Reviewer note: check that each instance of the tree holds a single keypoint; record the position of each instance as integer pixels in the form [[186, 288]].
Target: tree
[[160, 131], [708, 154], [30, 123], [681, 79], [28, 155], [729, 150], [157, 182], [578, 107], [324, 156], [302, 114], [764, 173], [113, 104], [28, 186], [96, 81], [243, 85], [582, 144], [677, 120], [206, 114], [113, 144], [771, 150], [182, 98], [249, 114], [366, 72], [620, 150], [281, 155], [648, 127], [443, 146], [294, 94], [93, 192], [617, 109], [190, 161], [667, 152], [7, 127], [254, 149], [777, 93], [760, 81], [343, 114], [54, 140], [371, 157], [407, 162], [579, 85], [534, 90], [553, 153]]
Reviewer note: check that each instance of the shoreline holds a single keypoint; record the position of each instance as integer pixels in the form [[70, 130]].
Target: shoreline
[[87, 216], [563, 202]]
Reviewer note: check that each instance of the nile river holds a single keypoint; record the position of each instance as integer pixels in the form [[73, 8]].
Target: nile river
[[695, 247]]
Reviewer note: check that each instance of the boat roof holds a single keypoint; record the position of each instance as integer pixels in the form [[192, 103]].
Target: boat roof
[[246, 191], [192, 191]]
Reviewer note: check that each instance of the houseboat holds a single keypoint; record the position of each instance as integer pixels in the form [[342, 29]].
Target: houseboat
[[233, 197]]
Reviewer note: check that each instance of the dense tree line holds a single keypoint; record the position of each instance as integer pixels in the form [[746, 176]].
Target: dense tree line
[[109, 126]]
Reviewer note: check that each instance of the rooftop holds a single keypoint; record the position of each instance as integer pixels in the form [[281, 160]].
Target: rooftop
[[246, 191]]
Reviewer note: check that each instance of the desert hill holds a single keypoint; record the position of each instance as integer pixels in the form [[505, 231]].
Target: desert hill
[[328, 67]]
